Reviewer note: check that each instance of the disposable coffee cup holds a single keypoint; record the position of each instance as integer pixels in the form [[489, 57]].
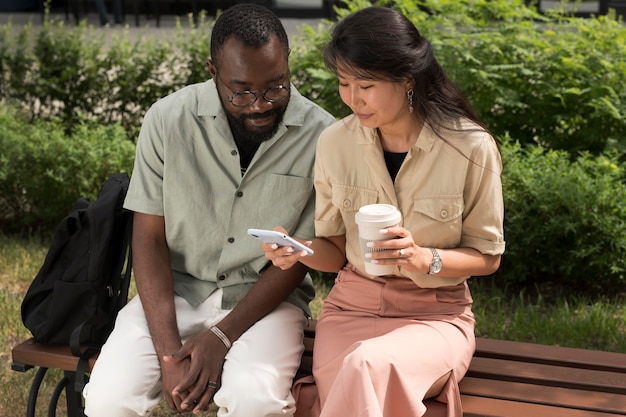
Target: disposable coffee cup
[[370, 219]]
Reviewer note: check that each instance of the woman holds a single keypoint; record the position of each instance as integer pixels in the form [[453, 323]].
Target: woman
[[385, 343]]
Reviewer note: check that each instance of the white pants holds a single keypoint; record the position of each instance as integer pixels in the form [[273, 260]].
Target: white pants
[[257, 374]]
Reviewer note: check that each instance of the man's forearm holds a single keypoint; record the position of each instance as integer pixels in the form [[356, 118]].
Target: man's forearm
[[155, 287], [272, 288], [158, 304]]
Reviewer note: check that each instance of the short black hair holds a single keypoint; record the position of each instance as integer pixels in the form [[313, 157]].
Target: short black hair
[[250, 23]]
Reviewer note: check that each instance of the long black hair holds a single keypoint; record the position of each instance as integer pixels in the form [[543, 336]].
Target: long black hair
[[381, 43]]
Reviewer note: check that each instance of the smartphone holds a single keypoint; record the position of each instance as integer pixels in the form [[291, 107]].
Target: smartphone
[[281, 239]]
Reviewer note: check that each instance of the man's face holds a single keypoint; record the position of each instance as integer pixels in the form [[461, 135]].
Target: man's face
[[246, 79]]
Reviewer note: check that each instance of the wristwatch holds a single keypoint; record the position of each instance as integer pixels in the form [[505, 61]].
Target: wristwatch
[[435, 265]]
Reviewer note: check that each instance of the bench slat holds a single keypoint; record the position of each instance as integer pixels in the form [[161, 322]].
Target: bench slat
[[555, 355], [489, 407], [555, 396], [558, 376], [46, 356]]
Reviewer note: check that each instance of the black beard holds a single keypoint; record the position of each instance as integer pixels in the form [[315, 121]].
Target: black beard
[[242, 133]]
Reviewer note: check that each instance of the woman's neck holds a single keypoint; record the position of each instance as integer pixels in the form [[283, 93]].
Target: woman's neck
[[400, 137]]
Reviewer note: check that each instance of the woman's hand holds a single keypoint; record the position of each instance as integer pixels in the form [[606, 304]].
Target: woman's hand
[[401, 251], [283, 257]]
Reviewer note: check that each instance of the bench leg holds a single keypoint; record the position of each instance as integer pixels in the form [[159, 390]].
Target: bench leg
[[54, 398], [74, 400], [34, 392]]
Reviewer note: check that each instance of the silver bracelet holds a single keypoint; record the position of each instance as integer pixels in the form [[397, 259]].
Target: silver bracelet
[[216, 330]]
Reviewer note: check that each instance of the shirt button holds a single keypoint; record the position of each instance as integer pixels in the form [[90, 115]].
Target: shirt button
[[233, 152], [222, 277], [347, 203], [239, 193], [444, 213], [231, 239]]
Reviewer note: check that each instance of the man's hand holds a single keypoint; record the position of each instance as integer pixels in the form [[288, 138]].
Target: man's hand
[[205, 355], [172, 373]]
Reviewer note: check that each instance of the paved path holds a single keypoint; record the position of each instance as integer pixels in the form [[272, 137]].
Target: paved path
[[147, 26]]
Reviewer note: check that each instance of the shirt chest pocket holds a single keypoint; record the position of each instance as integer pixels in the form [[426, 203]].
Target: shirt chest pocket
[[350, 199], [282, 201], [437, 220]]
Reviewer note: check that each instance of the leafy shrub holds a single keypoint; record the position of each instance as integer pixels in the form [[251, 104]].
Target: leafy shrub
[[73, 74], [559, 82], [15, 59], [309, 74], [555, 80], [43, 171], [564, 220], [552, 80]]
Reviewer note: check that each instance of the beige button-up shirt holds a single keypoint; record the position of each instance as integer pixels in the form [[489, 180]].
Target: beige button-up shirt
[[449, 192]]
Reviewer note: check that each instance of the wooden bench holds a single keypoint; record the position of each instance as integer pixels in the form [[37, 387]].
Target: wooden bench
[[505, 379], [28, 355], [514, 379]]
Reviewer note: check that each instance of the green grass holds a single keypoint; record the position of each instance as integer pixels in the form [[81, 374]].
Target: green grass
[[573, 321]]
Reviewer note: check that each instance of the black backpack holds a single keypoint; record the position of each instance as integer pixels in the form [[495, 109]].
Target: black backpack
[[84, 280]]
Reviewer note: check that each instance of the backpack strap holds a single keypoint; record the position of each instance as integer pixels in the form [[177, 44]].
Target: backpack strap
[[81, 369], [124, 283]]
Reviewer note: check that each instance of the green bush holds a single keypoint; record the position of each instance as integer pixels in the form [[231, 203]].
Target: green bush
[[565, 221], [43, 171], [309, 74], [73, 74], [555, 80], [552, 79], [559, 82]]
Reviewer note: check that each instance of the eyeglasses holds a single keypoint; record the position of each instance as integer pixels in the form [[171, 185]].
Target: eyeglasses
[[247, 98]]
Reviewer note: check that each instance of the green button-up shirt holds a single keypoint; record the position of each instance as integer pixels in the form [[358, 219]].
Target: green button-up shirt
[[187, 169]]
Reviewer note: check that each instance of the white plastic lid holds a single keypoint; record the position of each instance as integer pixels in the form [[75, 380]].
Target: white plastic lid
[[378, 214]]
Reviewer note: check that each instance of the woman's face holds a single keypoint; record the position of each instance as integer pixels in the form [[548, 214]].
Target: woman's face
[[377, 103]]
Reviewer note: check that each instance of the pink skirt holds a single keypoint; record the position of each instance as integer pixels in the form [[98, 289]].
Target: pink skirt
[[382, 343]]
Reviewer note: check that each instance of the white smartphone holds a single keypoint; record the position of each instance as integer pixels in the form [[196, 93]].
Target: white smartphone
[[281, 239]]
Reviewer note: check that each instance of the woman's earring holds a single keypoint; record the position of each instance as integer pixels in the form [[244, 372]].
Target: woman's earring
[[409, 95]]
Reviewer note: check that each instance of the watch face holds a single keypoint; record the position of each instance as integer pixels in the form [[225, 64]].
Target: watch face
[[435, 267]]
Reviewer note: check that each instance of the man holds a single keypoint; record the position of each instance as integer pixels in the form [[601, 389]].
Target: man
[[213, 320], [103, 13]]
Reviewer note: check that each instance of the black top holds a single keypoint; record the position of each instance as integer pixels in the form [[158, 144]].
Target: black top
[[247, 149], [393, 161]]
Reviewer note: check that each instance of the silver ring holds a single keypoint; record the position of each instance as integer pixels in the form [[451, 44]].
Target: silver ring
[[401, 252], [211, 384]]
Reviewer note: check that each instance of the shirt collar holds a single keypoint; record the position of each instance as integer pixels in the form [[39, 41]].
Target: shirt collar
[[425, 140]]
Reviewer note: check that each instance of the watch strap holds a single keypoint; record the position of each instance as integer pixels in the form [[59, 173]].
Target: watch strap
[[435, 264]]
